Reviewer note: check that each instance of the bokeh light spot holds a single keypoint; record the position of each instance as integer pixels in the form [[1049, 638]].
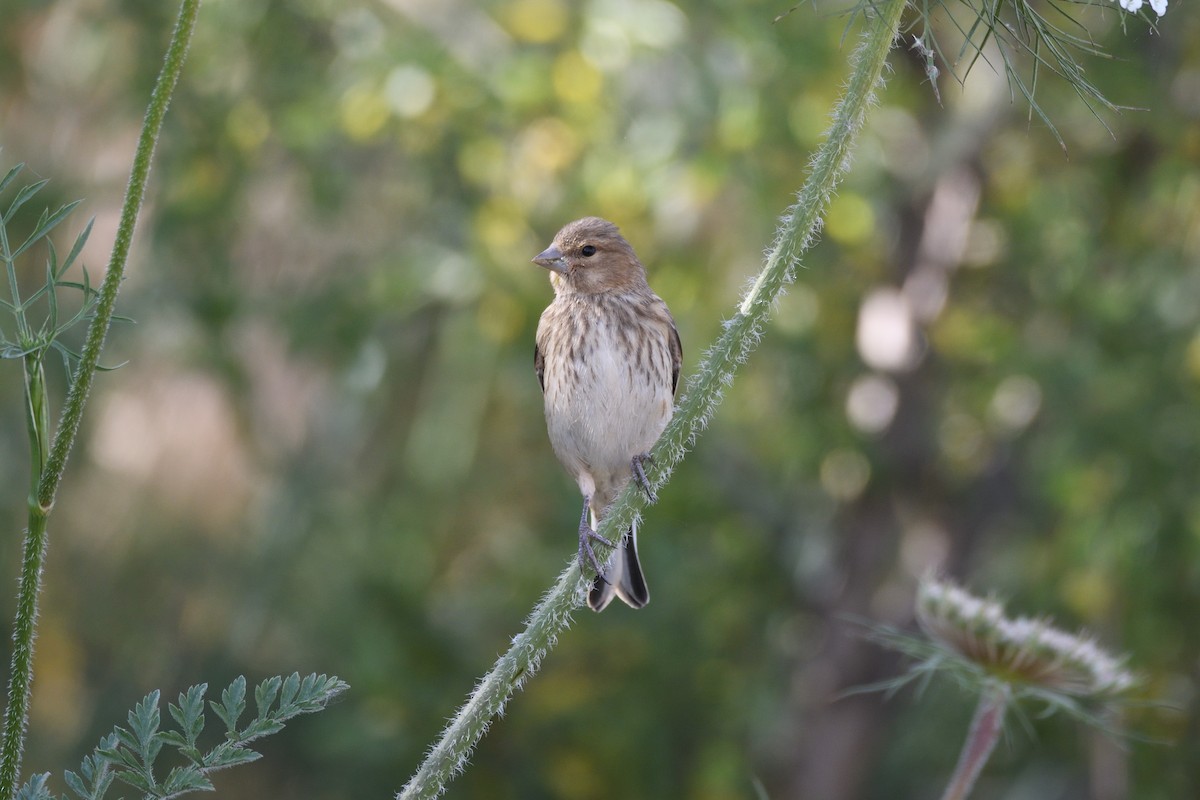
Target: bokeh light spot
[[537, 21], [886, 338], [1192, 356], [1016, 402], [851, 219], [575, 79], [363, 112], [501, 228], [548, 145], [501, 317], [409, 90], [248, 126], [844, 474], [739, 124], [481, 161], [963, 442], [871, 403], [798, 310]]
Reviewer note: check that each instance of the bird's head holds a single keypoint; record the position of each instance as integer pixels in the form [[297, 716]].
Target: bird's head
[[590, 256]]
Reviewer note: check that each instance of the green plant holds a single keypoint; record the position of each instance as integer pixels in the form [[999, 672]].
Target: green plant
[[1029, 41], [129, 754], [1005, 662], [48, 457]]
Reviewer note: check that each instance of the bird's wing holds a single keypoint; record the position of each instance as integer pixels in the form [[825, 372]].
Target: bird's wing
[[539, 366], [676, 357]]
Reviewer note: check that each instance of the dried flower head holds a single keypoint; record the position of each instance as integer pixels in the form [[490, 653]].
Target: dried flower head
[[1020, 650], [1133, 6]]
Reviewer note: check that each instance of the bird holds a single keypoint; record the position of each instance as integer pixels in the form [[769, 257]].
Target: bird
[[607, 355]]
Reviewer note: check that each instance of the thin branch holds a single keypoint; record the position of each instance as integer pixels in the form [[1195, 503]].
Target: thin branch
[[796, 232]]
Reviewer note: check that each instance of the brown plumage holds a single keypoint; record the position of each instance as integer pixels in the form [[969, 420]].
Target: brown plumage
[[607, 357]]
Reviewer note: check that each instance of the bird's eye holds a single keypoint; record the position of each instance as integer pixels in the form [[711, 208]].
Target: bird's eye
[[588, 250]]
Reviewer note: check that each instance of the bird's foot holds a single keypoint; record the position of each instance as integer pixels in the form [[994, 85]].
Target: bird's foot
[[639, 476], [587, 555]]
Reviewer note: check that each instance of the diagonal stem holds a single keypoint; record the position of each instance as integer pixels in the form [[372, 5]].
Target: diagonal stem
[[985, 732], [796, 232], [50, 466]]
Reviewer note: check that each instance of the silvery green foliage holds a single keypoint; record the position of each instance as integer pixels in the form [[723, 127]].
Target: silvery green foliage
[[30, 337], [128, 754]]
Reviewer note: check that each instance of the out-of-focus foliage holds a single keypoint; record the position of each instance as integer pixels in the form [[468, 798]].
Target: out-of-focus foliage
[[326, 452]]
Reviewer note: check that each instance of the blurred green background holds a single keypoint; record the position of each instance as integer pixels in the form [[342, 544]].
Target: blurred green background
[[326, 451]]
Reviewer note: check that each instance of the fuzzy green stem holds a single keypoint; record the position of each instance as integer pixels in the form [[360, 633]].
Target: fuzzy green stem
[[37, 420], [49, 468], [796, 232], [985, 732], [68, 426]]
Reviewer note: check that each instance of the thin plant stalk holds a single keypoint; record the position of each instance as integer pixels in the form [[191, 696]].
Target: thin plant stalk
[[795, 234], [985, 732], [49, 466]]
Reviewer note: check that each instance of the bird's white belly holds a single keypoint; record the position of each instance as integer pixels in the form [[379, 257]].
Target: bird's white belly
[[601, 410]]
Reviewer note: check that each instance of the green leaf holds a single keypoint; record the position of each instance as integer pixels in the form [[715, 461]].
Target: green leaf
[[35, 788], [265, 694], [136, 780], [96, 771], [52, 297], [189, 714], [128, 754], [260, 728], [173, 739], [232, 756], [75, 783], [45, 225], [290, 687], [144, 720], [23, 197], [126, 739], [76, 248], [186, 779], [233, 703], [8, 177]]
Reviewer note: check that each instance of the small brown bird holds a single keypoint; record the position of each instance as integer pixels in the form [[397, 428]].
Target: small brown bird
[[607, 357]]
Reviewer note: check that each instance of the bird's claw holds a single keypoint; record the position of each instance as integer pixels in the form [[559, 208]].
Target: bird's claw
[[639, 476], [587, 555]]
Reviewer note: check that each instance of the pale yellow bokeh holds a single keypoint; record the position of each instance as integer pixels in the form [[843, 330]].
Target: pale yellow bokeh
[[851, 220], [547, 145], [577, 80], [619, 193], [501, 317], [537, 21], [363, 111], [844, 474], [740, 121], [482, 161], [1192, 356], [502, 231], [248, 126], [1088, 593]]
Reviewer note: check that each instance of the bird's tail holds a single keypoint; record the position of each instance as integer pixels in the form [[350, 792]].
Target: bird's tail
[[622, 577]]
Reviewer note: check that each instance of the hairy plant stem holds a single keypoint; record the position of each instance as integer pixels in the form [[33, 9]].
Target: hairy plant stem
[[48, 466], [981, 741], [796, 232]]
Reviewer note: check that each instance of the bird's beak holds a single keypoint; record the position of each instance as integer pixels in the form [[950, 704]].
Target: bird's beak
[[551, 258]]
